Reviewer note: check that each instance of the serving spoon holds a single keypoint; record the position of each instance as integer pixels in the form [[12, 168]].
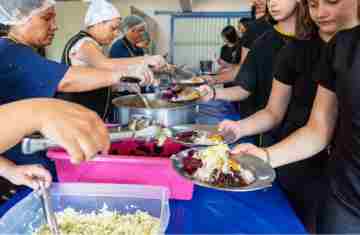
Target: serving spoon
[[136, 82]]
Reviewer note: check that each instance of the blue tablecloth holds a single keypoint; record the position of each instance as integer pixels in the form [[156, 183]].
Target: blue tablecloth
[[216, 212]]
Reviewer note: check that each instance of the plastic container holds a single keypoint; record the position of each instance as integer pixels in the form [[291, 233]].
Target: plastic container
[[27, 215], [121, 169]]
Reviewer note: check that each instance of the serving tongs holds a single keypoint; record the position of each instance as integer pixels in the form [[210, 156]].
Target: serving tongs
[[36, 143], [47, 208]]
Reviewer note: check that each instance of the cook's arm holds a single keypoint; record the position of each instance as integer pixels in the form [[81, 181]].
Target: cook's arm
[[80, 79], [95, 58]]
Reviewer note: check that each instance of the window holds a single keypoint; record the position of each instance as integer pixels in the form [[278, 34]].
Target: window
[[197, 36]]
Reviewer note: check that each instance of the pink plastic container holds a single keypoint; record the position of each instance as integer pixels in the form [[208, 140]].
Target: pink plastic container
[[122, 169]]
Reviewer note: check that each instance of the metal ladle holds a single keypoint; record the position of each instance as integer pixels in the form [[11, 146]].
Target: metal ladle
[[136, 81], [144, 99]]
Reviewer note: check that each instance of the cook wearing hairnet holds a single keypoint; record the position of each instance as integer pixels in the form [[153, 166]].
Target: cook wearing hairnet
[[25, 74], [101, 26], [134, 29]]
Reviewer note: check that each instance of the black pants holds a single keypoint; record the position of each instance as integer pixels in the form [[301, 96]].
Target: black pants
[[337, 217]]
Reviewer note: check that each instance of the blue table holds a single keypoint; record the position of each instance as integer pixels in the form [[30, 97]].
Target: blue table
[[216, 212]]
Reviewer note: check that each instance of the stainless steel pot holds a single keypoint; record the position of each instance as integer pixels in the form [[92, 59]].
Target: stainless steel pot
[[166, 113]]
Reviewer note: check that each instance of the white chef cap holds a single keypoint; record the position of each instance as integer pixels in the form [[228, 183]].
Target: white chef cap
[[100, 11]]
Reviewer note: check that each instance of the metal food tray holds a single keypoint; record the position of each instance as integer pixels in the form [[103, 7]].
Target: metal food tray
[[228, 138], [263, 172]]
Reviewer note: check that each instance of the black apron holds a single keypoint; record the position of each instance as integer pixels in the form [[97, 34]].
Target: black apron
[[96, 100]]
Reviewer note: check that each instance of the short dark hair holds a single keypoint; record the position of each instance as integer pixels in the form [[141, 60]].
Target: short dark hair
[[229, 32], [4, 30], [245, 21]]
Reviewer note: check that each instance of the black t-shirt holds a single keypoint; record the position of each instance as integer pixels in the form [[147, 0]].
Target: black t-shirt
[[256, 74], [255, 30], [231, 55], [295, 66], [339, 71]]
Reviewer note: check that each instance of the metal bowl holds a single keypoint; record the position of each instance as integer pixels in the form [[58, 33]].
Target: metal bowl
[[164, 112]]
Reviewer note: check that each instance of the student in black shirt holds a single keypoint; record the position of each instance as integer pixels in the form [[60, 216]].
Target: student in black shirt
[[340, 71], [254, 81], [3, 30], [254, 30], [260, 24], [336, 105], [242, 26], [289, 106], [231, 51]]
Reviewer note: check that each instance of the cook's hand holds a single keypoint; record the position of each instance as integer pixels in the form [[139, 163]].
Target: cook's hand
[[207, 93], [28, 175], [249, 149], [143, 72], [79, 130], [232, 127], [131, 87], [156, 61]]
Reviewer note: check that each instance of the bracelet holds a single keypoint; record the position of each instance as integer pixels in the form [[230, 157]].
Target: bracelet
[[267, 155], [214, 92]]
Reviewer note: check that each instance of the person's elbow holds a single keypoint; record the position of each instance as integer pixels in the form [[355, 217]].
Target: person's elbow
[[275, 117], [69, 82], [241, 93], [65, 85], [323, 127]]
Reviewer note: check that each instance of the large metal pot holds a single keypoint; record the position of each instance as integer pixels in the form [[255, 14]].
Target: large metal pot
[[166, 113]]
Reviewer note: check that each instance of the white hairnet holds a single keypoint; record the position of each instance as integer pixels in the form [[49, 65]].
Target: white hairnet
[[16, 12], [100, 11], [132, 21]]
